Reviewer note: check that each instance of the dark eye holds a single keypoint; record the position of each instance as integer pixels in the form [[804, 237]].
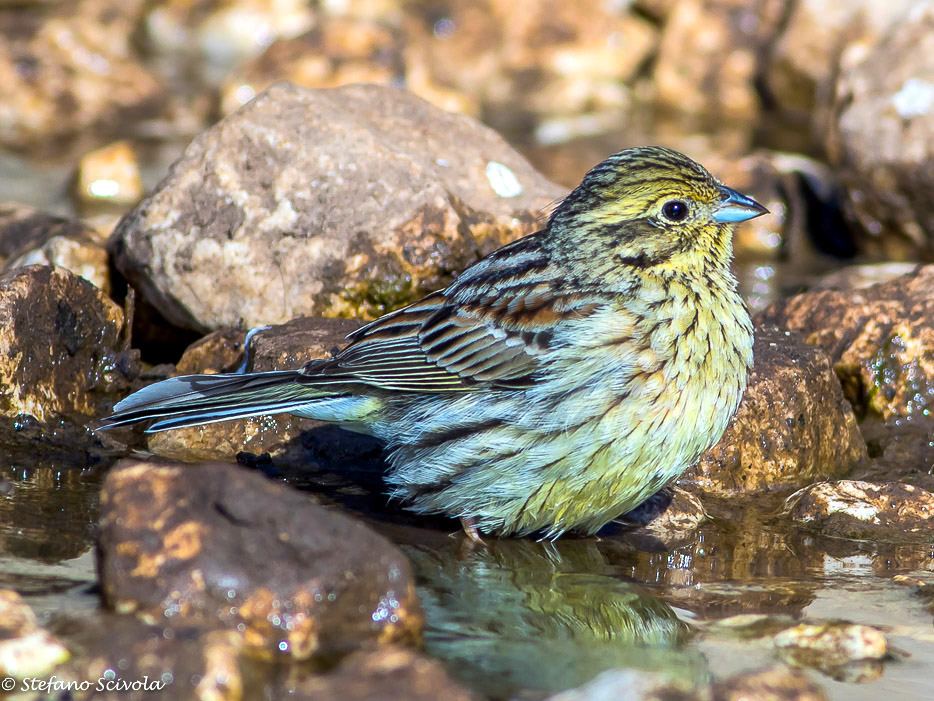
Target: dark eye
[[675, 210]]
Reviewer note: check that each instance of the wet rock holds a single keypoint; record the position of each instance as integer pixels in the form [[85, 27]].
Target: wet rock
[[882, 137], [854, 509], [70, 67], [283, 347], [337, 202], [63, 349], [804, 61], [388, 674], [527, 60], [226, 546], [668, 516], [212, 37], [879, 338], [124, 659], [340, 51], [109, 174], [770, 684], [26, 650], [833, 648], [709, 57], [778, 437], [632, 685]]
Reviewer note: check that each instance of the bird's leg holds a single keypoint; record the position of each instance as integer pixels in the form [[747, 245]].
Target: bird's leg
[[470, 529]]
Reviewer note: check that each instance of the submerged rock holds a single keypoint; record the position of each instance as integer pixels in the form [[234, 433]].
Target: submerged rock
[[831, 644], [63, 347], [778, 438], [388, 674], [341, 202], [777, 683], [225, 546], [26, 650], [853, 509]]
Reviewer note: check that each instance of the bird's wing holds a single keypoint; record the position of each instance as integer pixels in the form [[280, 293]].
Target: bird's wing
[[435, 345]]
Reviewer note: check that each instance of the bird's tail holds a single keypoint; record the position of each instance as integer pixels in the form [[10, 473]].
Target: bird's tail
[[199, 399]]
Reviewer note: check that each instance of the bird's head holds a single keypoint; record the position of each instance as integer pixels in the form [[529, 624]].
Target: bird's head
[[648, 207]]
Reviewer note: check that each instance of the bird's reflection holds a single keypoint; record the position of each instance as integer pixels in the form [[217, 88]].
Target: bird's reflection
[[516, 615]]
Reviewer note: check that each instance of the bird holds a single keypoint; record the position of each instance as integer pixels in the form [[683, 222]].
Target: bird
[[557, 382]]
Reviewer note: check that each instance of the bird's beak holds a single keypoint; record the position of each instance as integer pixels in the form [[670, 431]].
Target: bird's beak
[[736, 207]]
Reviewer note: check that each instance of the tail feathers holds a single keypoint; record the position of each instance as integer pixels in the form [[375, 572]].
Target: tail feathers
[[199, 399]]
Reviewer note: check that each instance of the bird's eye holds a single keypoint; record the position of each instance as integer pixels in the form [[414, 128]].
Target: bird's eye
[[675, 210]]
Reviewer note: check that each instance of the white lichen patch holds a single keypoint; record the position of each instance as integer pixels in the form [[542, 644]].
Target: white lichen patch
[[503, 181], [914, 99]]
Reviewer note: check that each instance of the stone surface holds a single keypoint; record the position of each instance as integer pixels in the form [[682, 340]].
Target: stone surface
[[26, 650], [229, 547], [777, 683], [283, 347], [70, 67], [632, 685], [340, 202], [880, 340], [525, 60], [23, 228], [882, 137], [829, 645], [128, 660], [63, 347], [778, 438], [708, 58], [79, 255], [388, 674], [109, 174], [670, 516], [888, 511]]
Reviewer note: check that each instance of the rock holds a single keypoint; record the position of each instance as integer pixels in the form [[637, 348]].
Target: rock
[[856, 277], [23, 228], [109, 174], [388, 674], [670, 516], [213, 37], [222, 545], [882, 137], [63, 348], [880, 340], [803, 62], [340, 51], [853, 509], [778, 438], [79, 255], [340, 202], [708, 58], [769, 684], [26, 650], [71, 68], [632, 685], [123, 659], [526, 60], [284, 347], [845, 651]]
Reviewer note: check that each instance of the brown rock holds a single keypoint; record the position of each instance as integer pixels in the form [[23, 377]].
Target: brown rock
[[26, 650], [81, 256], [779, 436], [880, 340], [524, 60], [340, 202], [804, 61], [284, 347], [128, 660], [69, 68], [709, 56], [852, 509], [828, 645], [670, 516], [769, 684], [62, 351], [23, 228], [882, 137], [109, 174], [226, 546], [387, 674]]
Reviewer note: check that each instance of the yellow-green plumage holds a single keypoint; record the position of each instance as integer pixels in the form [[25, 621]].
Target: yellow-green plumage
[[558, 382]]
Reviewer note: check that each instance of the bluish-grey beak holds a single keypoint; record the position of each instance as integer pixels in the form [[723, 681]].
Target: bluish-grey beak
[[736, 207]]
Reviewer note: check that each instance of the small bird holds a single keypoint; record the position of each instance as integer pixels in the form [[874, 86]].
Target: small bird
[[556, 383]]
